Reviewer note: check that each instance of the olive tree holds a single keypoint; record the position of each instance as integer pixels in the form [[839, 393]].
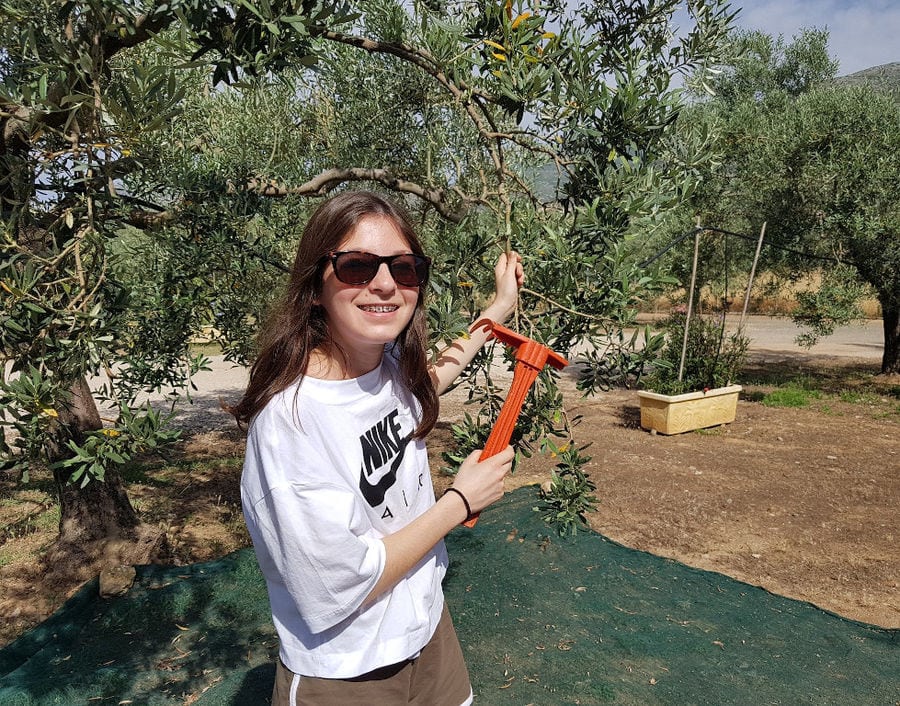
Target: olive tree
[[158, 161], [817, 161], [841, 157]]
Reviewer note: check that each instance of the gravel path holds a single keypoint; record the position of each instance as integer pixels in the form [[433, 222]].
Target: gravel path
[[771, 338]]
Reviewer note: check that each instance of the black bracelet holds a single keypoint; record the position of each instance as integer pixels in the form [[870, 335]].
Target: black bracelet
[[465, 502]]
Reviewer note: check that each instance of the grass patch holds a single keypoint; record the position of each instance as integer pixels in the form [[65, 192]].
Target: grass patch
[[790, 396], [825, 390], [13, 554], [163, 474], [44, 519], [24, 496], [858, 397], [827, 396], [892, 411]]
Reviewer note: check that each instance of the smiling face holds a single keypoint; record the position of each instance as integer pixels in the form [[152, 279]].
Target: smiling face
[[361, 319]]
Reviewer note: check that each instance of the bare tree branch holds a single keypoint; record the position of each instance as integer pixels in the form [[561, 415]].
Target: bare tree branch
[[327, 181]]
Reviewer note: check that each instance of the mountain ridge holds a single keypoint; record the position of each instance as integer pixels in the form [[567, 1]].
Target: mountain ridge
[[882, 77]]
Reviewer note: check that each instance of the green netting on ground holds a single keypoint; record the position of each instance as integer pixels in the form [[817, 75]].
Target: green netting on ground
[[542, 620]]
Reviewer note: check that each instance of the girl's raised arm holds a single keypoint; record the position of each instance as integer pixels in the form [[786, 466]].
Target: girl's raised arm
[[509, 277]]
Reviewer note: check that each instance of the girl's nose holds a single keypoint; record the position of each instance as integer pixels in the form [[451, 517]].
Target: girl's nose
[[383, 279]]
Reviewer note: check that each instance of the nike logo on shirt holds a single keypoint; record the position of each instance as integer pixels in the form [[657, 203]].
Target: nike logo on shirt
[[381, 444]]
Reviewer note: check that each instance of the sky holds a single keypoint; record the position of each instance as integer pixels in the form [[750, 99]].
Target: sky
[[861, 34]]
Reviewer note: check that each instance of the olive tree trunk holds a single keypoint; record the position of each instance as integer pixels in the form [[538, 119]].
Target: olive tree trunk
[[100, 510], [890, 360]]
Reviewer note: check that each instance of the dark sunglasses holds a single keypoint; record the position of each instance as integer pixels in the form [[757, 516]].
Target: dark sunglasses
[[355, 267]]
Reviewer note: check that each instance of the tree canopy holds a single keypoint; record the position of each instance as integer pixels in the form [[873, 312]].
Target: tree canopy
[[158, 161], [815, 161]]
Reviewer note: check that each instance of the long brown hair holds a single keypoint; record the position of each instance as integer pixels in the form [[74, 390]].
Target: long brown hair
[[297, 325]]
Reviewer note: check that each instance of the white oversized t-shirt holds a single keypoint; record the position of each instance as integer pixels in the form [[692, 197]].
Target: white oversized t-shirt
[[330, 470]]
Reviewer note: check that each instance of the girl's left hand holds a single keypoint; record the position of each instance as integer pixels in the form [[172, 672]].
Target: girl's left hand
[[509, 278]]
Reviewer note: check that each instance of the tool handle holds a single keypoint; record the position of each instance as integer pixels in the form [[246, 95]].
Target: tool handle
[[531, 357], [499, 438]]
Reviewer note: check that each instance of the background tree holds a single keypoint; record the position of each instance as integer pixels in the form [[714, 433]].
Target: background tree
[[814, 160], [158, 162], [80, 89]]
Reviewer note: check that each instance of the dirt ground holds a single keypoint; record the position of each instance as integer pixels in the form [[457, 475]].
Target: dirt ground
[[804, 502], [801, 501]]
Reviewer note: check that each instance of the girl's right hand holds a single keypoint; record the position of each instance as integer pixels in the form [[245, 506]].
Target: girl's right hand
[[508, 280], [481, 482]]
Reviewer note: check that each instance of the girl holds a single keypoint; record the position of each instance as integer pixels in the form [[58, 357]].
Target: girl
[[336, 489]]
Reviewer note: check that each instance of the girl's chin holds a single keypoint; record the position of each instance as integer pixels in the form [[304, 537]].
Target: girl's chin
[[378, 336]]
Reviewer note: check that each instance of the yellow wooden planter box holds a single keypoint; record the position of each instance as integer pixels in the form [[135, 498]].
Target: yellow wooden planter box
[[674, 414]]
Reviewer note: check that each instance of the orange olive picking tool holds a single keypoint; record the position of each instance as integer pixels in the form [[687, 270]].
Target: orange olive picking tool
[[531, 357]]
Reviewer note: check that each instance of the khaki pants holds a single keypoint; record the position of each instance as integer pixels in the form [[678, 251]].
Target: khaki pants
[[437, 677]]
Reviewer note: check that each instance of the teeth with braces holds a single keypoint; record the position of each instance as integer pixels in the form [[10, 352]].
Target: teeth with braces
[[382, 309]]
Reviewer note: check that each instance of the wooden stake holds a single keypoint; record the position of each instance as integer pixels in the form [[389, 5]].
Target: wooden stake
[[690, 302], [762, 234]]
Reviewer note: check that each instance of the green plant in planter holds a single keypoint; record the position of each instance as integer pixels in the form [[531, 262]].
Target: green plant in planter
[[713, 357]]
